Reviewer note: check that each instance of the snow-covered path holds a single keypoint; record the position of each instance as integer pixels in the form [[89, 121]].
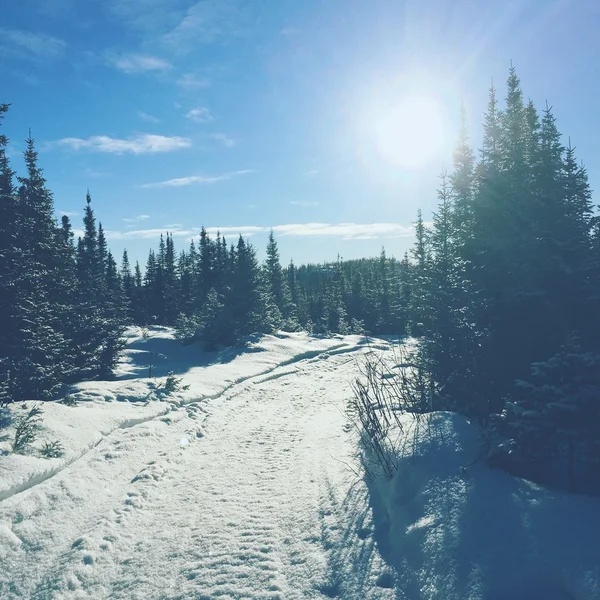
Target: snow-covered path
[[244, 496]]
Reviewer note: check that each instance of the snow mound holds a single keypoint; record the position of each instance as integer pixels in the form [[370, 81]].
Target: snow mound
[[455, 529]]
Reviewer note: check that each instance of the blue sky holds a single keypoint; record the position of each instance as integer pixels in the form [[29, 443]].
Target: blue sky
[[244, 115]]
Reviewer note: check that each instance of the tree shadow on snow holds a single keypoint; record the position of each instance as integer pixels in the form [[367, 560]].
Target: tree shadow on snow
[[459, 532], [347, 534], [164, 355]]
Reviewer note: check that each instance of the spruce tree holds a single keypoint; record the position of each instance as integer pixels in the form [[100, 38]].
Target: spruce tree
[[248, 297], [127, 282], [38, 345], [276, 284], [9, 263]]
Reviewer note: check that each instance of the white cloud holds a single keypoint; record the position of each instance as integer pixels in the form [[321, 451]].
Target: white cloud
[[135, 63], [312, 173], [245, 230], [183, 232], [189, 81], [199, 115], [30, 46], [223, 139], [204, 23], [345, 231], [191, 179], [300, 203], [137, 219], [145, 234], [150, 17], [66, 213], [348, 231], [140, 144], [147, 117], [96, 174]]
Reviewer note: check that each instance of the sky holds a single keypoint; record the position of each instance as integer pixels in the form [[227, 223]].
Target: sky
[[326, 120]]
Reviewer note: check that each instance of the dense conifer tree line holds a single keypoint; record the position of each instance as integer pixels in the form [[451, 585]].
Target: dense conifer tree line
[[218, 293], [59, 308], [506, 286]]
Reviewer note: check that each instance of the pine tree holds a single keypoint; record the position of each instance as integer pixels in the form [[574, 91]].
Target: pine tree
[[420, 254], [9, 262], [276, 284], [127, 282], [138, 305], [205, 265], [462, 183], [37, 346], [100, 321], [102, 253], [551, 423], [214, 323], [248, 298], [170, 283]]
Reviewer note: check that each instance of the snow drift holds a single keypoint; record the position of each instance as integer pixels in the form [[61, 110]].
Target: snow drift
[[456, 529]]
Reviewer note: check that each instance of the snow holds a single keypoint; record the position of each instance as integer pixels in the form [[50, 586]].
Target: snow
[[241, 486], [234, 488], [457, 530]]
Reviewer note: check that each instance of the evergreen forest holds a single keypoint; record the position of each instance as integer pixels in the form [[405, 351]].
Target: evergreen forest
[[501, 290]]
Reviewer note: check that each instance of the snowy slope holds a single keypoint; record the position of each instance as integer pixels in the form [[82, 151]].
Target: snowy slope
[[457, 530], [235, 488]]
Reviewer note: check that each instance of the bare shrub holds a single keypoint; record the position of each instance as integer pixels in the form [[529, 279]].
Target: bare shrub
[[386, 389]]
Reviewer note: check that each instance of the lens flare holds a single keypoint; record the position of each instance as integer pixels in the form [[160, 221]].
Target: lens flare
[[411, 133]]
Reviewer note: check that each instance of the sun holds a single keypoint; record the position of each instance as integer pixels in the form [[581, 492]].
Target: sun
[[410, 133]]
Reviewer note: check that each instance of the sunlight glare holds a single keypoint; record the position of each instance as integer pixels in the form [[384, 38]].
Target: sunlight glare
[[411, 133]]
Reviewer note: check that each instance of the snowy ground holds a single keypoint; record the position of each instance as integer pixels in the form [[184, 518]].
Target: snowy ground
[[239, 488], [236, 488], [457, 530]]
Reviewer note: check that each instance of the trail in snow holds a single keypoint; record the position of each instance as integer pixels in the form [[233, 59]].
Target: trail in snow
[[244, 496]]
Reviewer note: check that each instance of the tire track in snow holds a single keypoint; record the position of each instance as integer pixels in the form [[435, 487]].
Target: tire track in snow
[[233, 515], [253, 495], [39, 478]]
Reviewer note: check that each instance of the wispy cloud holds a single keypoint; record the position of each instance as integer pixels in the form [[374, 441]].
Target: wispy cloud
[[136, 63], [223, 139], [199, 115], [183, 232], [66, 213], [96, 174], [301, 203], [189, 81], [140, 144], [348, 231], [311, 173], [31, 46], [136, 219], [245, 230], [204, 23], [200, 179], [345, 231], [146, 234], [146, 117]]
